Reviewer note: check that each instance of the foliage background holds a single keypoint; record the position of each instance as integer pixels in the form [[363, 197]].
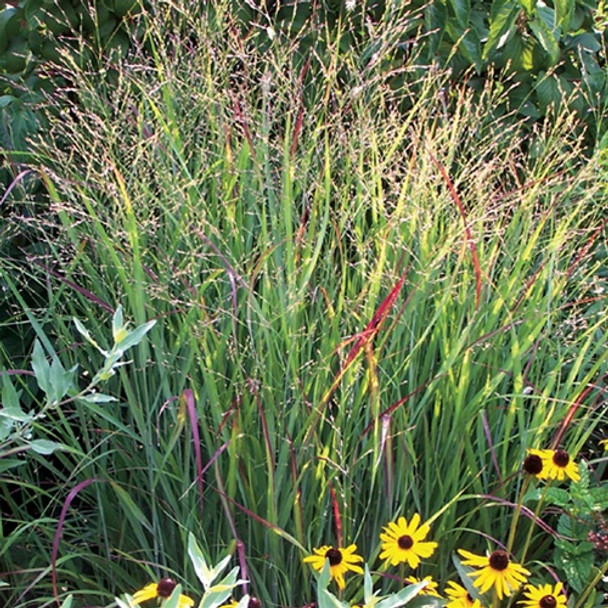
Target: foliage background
[[374, 289]]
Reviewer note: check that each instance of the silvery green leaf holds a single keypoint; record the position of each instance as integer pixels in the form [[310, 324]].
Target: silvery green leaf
[[328, 600], [368, 588], [134, 337], [402, 597], [217, 594], [199, 563], [41, 368], [84, 332], [117, 323], [173, 600], [97, 398], [44, 446], [467, 582], [325, 576], [67, 603], [217, 570], [10, 396]]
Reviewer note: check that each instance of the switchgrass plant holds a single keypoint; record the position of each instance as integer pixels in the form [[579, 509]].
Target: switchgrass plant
[[360, 313]]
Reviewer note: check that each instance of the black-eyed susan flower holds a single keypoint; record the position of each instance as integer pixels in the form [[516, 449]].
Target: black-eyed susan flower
[[557, 464], [459, 597], [533, 462], [495, 570], [544, 596], [430, 589], [163, 589], [402, 542], [341, 560]]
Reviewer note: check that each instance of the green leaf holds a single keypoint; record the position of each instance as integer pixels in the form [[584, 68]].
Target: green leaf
[[41, 368], [503, 23], [84, 332], [467, 582], [325, 599], [547, 39], [9, 463], [553, 496], [117, 323], [576, 562], [97, 398], [217, 594], [173, 600], [402, 597], [563, 13], [45, 447], [462, 12], [61, 380], [199, 563], [134, 337], [67, 603]]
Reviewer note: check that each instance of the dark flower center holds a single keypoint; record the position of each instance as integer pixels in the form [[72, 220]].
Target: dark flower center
[[470, 598], [405, 542], [334, 556], [254, 602], [499, 560], [548, 601], [165, 587], [561, 458], [533, 464]]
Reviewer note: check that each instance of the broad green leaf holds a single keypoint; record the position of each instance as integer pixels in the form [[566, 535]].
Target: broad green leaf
[[563, 13], [44, 446], [547, 39]]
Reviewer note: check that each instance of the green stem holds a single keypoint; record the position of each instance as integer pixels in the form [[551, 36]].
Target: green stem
[[520, 500]]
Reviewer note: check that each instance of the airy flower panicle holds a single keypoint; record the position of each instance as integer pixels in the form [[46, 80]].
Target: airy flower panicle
[[402, 542], [495, 570], [341, 560]]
